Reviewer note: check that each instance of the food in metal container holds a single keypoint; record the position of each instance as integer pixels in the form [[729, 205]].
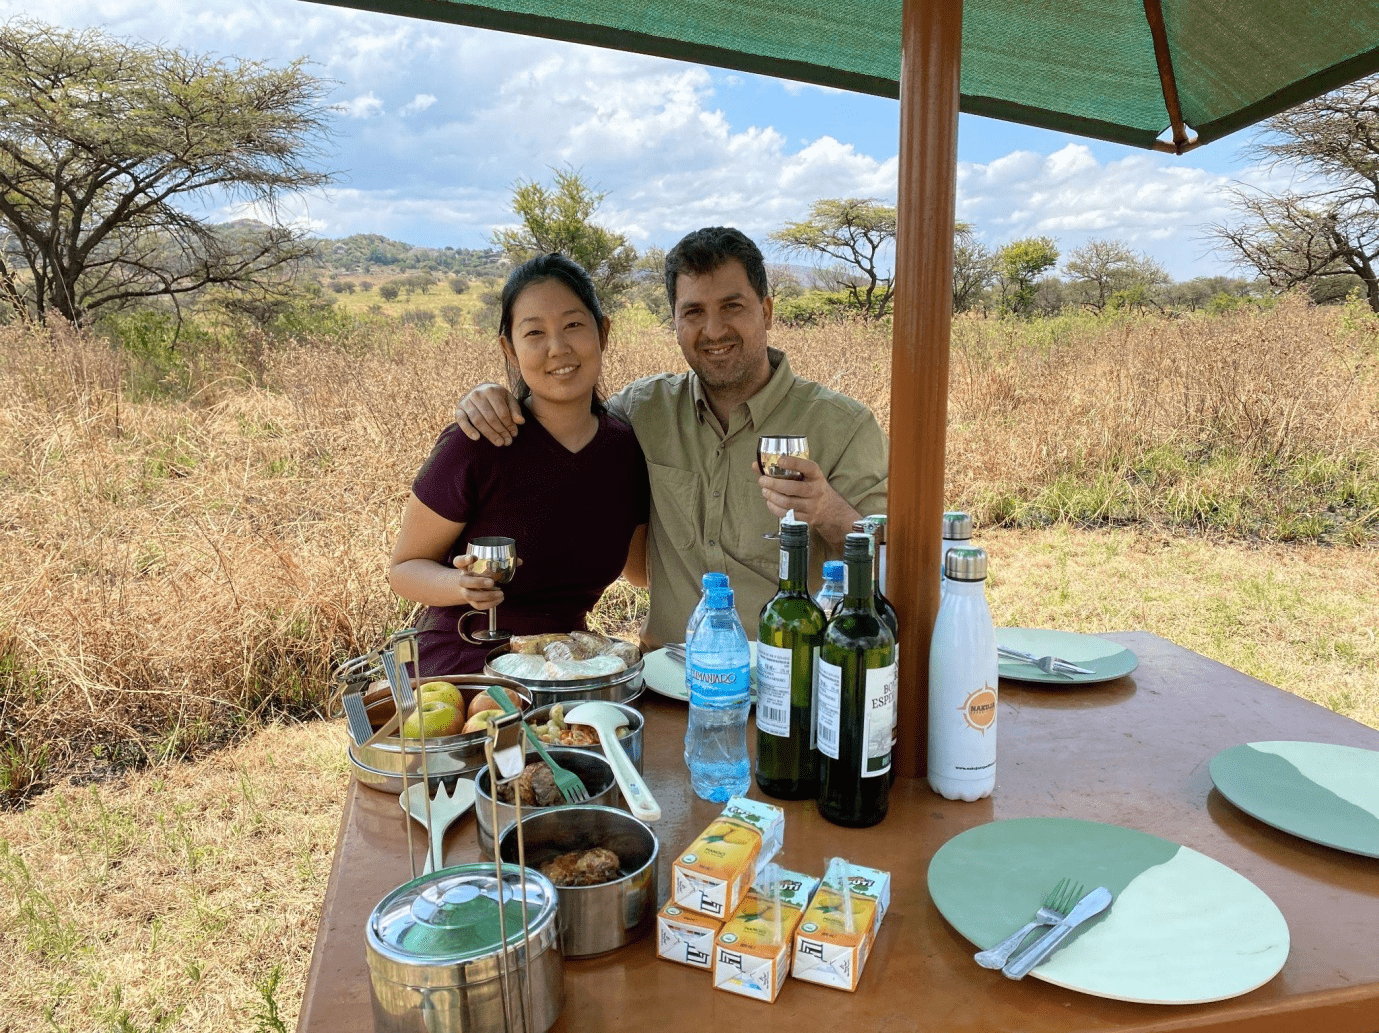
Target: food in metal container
[[520, 665], [556, 732], [573, 670], [536, 786], [583, 867], [535, 644], [571, 650]]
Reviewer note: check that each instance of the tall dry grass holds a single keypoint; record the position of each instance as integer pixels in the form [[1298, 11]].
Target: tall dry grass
[[174, 568]]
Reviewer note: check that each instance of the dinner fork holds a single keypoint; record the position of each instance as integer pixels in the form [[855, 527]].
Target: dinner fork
[[1055, 908], [1047, 664], [569, 784]]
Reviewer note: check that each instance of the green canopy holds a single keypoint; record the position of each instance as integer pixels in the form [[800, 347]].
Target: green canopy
[[1100, 68]]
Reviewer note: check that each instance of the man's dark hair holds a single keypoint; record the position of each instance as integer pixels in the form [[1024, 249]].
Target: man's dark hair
[[703, 251]]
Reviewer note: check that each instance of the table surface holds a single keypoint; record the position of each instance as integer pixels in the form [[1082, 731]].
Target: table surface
[[1132, 752]]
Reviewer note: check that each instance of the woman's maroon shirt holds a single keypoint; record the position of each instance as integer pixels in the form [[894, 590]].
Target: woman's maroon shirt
[[571, 513]]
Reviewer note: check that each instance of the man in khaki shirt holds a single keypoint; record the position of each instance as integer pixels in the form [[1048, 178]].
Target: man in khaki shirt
[[710, 506]]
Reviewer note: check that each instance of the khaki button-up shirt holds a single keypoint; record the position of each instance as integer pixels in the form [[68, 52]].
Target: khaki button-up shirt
[[707, 513]]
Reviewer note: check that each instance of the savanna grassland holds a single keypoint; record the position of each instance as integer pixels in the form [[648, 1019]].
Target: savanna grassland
[[190, 538]]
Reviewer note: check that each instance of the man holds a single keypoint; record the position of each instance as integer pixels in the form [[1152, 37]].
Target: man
[[699, 433]]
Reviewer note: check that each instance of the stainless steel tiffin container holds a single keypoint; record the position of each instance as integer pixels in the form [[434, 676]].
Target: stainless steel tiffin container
[[437, 964]]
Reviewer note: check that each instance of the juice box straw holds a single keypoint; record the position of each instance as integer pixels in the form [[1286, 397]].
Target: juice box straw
[[840, 865], [773, 874]]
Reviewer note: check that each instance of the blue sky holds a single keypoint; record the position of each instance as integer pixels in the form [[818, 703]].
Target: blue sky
[[436, 122]]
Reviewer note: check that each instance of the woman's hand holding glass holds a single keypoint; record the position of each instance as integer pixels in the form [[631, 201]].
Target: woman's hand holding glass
[[479, 591]]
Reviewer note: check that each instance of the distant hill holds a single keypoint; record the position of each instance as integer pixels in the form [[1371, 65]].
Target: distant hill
[[372, 252]]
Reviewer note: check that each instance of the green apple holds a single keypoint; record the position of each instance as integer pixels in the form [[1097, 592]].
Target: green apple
[[435, 717], [443, 691]]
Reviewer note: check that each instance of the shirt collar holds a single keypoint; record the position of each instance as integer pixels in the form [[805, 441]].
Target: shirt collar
[[761, 404]]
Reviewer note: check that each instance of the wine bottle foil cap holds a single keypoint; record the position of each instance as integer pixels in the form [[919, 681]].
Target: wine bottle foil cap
[[965, 564], [857, 546], [957, 525]]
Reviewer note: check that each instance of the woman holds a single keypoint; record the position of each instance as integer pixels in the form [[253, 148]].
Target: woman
[[571, 490]]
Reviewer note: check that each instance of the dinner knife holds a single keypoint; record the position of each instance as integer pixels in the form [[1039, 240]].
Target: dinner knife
[[1030, 658], [1092, 904]]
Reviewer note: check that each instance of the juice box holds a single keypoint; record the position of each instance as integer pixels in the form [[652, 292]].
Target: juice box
[[747, 958], [714, 874], [825, 952], [685, 936]]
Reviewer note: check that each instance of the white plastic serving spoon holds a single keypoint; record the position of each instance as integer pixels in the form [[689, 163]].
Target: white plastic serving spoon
[[606, 720], [445, 808]]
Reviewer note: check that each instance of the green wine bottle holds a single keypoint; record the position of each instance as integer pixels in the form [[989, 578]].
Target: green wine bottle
[[875, 528], [788, 637], [856, 700]]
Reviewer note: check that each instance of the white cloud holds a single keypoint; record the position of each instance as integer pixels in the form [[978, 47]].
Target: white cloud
[[364, 106], [420, 102]]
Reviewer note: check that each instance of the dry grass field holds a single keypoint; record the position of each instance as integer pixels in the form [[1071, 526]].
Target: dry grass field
[[180, 566]]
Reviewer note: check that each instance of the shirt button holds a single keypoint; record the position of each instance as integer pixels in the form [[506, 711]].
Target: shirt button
[[710, 541], [715, 494]]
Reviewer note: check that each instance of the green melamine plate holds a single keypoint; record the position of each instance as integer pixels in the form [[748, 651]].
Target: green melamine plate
[[1181, 929], [666, 677], [1106, 659], [1317, 791]]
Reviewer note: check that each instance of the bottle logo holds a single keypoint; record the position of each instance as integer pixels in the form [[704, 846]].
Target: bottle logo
[[979, 709]]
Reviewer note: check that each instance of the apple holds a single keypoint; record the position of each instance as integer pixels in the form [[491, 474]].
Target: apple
[[483, 701], [435, 718], [480, 722], [443, 691]]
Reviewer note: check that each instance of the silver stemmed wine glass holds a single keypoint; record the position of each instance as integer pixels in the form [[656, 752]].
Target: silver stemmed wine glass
[[770, 448], [495, 557]]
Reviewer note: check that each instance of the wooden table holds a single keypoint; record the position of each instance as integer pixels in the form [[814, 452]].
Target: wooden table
[[1133, 752]]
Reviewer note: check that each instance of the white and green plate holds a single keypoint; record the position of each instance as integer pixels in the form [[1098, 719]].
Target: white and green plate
[[1314, 790], [1182, 928], [666, 676], [1106, 659]]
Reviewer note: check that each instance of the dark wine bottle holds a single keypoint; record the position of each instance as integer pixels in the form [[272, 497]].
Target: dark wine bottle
[[875, 529], [856, 700], [788, 636]]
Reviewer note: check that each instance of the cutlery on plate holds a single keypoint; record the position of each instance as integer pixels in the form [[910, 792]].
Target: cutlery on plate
[[1054, 909], [1092, 904], [676, 651], [1047, 664]]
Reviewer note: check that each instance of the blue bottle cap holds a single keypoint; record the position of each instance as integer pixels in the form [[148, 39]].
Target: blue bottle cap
[[720, 599], [714, 580], [833, 570]]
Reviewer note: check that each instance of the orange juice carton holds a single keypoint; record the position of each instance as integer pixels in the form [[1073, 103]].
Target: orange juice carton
[[685, 936], [751, 954], [826, 950], [714, 874]]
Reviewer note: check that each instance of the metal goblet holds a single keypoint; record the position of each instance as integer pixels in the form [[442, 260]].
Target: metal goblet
[[770, 448], [495, 557]]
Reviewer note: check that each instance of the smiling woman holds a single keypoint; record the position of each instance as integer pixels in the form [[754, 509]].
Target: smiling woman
[[572, 490]]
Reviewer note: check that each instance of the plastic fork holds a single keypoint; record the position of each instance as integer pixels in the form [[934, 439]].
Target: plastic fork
[[566, 781], [1055, 908]]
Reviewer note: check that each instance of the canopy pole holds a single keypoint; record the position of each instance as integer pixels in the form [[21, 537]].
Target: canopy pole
[[931, 51]]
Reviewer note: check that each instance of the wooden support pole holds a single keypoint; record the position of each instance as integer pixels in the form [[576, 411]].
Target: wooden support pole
[[931, 52]]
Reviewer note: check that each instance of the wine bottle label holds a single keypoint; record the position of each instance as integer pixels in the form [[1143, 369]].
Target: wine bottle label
[[784, 564], [830, 697], [773, 689], [878, 735], [814, 703]]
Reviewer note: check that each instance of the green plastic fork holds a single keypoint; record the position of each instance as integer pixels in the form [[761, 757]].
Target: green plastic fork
[[566, 781], [1055, 908]]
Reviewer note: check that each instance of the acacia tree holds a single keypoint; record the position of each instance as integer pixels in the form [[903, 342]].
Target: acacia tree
[[101, 138], [856, 233], [1106, 270], [560, 218], [1327, 226], [1018, 266], [973, 267]]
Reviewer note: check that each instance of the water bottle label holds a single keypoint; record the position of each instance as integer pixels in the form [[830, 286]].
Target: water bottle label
[[773, 690], [879, 730], [830, 697], [716, 687]]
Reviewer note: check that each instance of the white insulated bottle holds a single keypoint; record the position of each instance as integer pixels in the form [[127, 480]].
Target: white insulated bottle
[[962, 683]]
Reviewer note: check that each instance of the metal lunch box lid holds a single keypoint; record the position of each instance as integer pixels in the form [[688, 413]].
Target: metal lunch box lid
[[443, 928]]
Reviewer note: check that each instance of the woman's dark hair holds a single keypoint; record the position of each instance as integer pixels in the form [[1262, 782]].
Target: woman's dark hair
[[554, 266], [703, 251]]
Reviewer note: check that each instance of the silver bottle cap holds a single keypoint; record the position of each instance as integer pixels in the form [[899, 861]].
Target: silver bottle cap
[[957, 526], [965, 564]]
